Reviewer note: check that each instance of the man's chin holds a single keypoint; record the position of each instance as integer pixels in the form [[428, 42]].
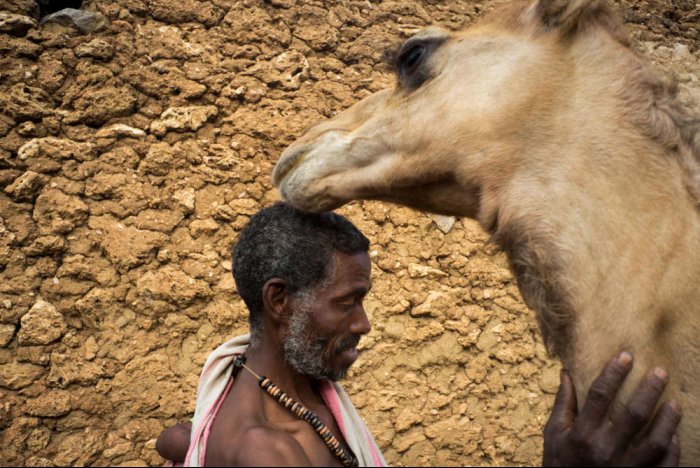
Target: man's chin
[[336, 374], [345, 359]]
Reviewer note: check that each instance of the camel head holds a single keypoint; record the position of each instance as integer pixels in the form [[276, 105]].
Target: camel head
[[464, 112]]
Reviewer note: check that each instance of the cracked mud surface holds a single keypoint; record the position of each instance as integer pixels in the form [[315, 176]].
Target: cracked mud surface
[[130, 158]]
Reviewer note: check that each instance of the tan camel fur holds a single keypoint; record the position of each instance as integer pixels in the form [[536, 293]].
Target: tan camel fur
[[541, 123]]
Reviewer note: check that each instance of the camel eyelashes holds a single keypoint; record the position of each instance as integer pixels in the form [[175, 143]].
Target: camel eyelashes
[[409, 60], [410, 64]]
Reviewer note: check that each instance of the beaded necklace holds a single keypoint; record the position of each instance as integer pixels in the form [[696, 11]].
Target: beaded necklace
[[344, 456]]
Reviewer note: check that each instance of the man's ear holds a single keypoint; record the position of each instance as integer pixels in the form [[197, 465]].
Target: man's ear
[[276, 299], [566, 16]]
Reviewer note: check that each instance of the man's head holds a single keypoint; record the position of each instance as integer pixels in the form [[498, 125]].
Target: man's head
[[309, 273]]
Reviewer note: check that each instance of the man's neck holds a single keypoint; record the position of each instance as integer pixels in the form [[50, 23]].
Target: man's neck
[[268, 359]]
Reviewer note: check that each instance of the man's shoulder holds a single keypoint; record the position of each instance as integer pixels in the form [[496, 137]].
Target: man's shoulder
[[261, 445]]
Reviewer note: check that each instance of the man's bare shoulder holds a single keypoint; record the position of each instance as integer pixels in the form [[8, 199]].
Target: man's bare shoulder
[[263, 446]]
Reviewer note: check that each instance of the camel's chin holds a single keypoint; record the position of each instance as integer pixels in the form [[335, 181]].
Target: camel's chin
[[317, 206], [318, 203]]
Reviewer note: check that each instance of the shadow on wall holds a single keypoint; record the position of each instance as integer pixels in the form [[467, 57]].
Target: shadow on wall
[[68, 13], [51, 6]]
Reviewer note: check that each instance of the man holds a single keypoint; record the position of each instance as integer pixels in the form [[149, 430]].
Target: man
[[304, 278]]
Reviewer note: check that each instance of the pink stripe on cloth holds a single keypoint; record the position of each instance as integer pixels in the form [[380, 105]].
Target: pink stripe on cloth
[[330, 397], [375, 455], [207, 420], [332, 400], [210, 421]]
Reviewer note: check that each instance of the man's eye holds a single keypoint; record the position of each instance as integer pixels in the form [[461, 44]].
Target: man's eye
[[347, 305], [411, 59]]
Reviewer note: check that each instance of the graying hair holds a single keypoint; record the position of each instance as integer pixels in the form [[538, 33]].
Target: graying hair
[[283, 242]]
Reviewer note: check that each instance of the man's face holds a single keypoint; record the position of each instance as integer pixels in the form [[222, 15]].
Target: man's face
[[324, 331]]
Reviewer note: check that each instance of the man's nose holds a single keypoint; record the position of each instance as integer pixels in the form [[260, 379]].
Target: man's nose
[[360, 323]]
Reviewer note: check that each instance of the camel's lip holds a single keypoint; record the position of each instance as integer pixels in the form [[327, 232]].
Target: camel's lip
[[286, 166]]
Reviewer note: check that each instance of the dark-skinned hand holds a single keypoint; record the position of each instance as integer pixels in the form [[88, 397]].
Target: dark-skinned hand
[[591, 438]]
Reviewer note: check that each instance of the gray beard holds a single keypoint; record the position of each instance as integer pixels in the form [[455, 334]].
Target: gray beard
[[304, 350]]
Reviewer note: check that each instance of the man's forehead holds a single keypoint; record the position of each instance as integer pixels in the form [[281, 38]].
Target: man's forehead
[[352, 267], [357, 260]]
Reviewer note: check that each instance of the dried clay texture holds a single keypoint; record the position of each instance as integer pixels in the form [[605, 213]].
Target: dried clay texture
[[133, 148]]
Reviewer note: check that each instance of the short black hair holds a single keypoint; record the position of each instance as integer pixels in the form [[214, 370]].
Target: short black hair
[[281, 241]]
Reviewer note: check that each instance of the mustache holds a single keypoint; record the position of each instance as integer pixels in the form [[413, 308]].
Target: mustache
[[348, 343]]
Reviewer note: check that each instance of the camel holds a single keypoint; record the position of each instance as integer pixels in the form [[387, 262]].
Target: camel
[[542, 123]]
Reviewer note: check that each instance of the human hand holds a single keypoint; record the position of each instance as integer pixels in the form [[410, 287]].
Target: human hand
[[592, 439]]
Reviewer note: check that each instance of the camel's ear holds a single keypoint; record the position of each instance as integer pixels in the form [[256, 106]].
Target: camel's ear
[[566, 16]]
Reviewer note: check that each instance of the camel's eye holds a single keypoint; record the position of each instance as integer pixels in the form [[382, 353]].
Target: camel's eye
[[412, 64], [411, 59]]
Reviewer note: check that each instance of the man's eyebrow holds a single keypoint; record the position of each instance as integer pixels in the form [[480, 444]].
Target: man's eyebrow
[[361, 291]]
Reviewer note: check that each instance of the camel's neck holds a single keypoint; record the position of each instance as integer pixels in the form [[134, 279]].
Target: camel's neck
[[604, 238], [603, 235], [633, 266]]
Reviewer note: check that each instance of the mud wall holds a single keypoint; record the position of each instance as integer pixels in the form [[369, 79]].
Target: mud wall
[[132, 151]]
